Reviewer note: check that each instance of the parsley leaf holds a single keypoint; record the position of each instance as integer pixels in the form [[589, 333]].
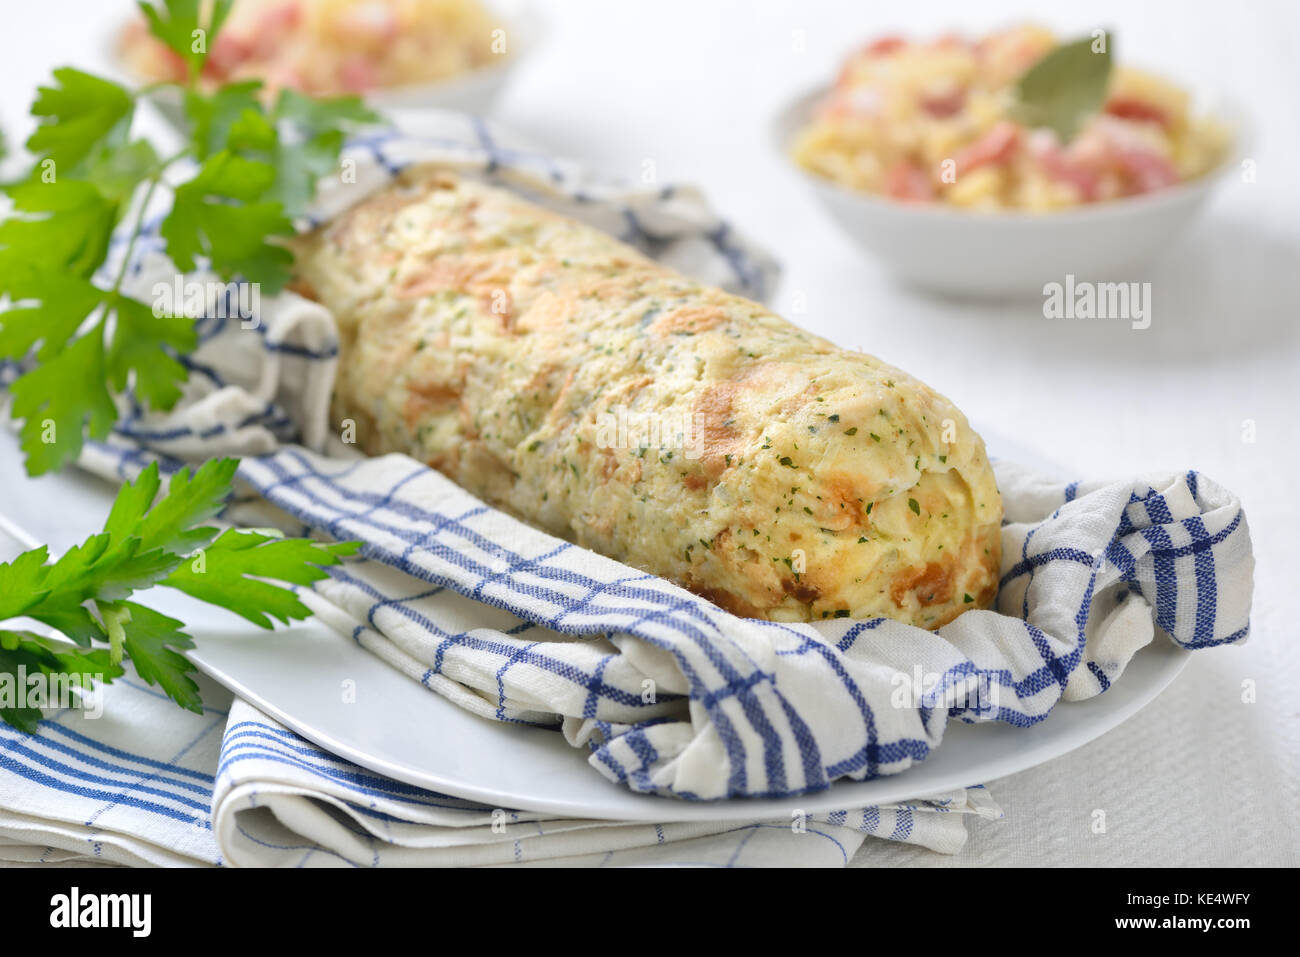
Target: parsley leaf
[[180, 25], [225, 573], [147, 541], [310, 148], [20, 583], [117, 173], [37, 654], [154, 643], [212, 116], [60, 400], [83, 112], [62, 303], [218, 215], [142, 353], [48, 254], [82, 339], [300, 138], [65, 225], [312, 115]]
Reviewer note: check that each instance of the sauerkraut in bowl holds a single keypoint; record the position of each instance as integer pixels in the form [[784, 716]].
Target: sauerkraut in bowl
[[943, 122], [334, 47]]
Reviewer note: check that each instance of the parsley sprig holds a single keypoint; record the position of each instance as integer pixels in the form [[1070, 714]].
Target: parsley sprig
[[147, 541], [252, 167]]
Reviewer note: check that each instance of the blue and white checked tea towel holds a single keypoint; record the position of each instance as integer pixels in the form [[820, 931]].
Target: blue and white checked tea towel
[[148, 784], [518, 626]]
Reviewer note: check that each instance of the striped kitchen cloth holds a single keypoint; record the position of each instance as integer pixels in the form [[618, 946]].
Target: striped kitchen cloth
[[668, 693], [137, 781]]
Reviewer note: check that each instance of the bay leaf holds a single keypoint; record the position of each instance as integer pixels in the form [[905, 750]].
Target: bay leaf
[[1066, 87]]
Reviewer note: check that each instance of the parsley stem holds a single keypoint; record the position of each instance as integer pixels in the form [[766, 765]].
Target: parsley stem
[[114, 619], [154, 181]]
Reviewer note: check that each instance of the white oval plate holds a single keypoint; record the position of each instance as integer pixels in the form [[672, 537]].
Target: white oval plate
[[398, 728]]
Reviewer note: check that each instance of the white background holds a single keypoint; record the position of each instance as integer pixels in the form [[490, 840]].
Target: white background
[[1199, 777]]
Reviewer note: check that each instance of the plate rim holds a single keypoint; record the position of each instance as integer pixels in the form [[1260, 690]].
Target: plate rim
[[622, 804]]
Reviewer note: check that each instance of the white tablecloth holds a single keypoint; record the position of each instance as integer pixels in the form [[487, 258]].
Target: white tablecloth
[[685, 91]]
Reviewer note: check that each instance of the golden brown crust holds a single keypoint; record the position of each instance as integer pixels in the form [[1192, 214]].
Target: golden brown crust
[[526, 356]]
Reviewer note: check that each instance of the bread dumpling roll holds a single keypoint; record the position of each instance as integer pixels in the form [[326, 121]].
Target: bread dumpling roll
[[567, 379]]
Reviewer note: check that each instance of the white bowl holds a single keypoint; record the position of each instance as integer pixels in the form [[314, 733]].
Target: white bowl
[[476, 91], [472, 92], [1009, 254]]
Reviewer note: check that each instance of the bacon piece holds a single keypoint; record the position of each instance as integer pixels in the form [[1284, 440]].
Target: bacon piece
[[1139, 165], [944, 104], [950, 41], [994, 147], [1145, 171], [357, 75], [1131, 108], [884, 46], [279, 19], [228, 52], [1064, 166], [909, 182]]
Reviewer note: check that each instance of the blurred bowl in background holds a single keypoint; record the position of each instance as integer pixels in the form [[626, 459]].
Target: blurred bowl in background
[[474, 91], [477, 90], [1010, 254]]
